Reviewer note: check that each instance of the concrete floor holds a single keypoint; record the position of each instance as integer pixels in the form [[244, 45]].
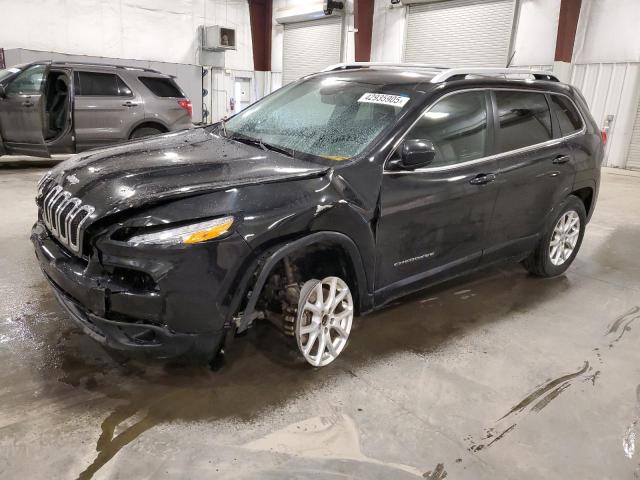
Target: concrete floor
[[496, 376]]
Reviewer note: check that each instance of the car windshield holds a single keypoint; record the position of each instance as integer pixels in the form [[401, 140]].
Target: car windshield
[[7, 72], [320, 118]]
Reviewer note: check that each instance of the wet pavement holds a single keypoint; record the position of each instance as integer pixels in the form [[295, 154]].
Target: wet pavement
[[498, 375]]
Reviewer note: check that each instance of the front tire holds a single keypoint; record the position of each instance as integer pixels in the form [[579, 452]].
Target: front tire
[[323, 320], [561, 240]]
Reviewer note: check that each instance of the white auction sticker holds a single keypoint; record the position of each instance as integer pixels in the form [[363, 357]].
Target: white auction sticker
[[384, 99]]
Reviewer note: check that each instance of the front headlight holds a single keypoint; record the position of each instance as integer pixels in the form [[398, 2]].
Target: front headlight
[[188, 234]]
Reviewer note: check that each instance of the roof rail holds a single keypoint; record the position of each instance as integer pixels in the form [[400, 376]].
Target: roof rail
[[102, 65], [443, 73], [412, 66], [492, 71]]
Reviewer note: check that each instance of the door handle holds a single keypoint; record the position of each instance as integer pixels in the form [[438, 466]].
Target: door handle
[[561, 159], [27, 103], [483, 179], [129, 104]]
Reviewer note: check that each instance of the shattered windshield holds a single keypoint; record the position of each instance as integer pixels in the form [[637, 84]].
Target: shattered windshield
[[326, 117]]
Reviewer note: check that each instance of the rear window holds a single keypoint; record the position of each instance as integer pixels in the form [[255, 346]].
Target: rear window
[[567, 114], [101, 85], [162, 87]]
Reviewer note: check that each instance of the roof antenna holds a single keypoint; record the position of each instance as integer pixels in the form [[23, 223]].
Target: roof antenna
[[513, 54]]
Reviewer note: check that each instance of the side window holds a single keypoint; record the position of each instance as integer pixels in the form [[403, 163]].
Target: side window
[[101, 84], [28, 82], [524, 119], [567, 115], [161, 87], [123, 89], [457, 127]]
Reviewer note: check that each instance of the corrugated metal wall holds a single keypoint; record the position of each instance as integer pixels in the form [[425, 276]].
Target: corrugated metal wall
[[611, 89], [633, 156]]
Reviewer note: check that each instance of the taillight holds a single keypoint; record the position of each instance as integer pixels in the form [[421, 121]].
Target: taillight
[[186, 104], [603, 136]]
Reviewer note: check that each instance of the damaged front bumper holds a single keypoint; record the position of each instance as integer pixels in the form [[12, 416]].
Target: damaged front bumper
[[166, 305]]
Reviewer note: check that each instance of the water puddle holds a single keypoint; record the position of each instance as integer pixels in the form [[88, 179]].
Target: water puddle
[[327, 437]]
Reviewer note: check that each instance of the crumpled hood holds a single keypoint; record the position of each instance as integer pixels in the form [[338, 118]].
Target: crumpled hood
[[173, 165]]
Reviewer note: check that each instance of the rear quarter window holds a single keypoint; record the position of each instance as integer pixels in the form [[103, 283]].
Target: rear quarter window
[[567, 114], [162, 87]]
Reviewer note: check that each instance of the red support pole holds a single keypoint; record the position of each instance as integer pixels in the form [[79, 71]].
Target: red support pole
[[567, 26], [260, 19], [363, 22]]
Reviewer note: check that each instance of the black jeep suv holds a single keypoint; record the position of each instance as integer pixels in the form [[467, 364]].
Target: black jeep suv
[[324, 200]]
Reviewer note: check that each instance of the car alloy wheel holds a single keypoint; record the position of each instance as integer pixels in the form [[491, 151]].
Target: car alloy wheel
[[323, 323], [564, 237]]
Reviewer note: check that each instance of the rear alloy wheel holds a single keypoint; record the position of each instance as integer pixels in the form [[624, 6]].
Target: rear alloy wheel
[[560, 241], [323, 322], [564, 237]]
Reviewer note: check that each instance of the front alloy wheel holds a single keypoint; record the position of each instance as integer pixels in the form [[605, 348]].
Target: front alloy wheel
[[323, 323]]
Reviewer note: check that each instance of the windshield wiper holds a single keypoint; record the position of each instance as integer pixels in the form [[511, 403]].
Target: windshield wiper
[[259, 143], [285, 151]]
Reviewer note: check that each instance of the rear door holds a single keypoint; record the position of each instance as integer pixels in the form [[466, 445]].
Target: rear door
[[22, 113], [105, 108], [535, 171]]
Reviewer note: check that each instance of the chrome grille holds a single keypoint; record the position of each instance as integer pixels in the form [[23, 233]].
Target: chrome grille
[[63, 214]]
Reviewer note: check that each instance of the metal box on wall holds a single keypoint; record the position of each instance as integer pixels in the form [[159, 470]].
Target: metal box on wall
[[218, 38]]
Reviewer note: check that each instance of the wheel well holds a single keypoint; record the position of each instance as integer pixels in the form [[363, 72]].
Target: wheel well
[[156, 125], [318, 260], [586, 195]]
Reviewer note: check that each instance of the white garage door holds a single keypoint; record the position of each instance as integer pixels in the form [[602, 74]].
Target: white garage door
[[460, 32], [633, 157], [311, 46]]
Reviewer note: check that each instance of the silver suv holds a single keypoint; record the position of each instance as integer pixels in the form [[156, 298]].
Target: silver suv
[[59, 107]]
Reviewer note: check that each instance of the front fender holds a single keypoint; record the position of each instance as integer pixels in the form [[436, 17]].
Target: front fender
[[265, 263]]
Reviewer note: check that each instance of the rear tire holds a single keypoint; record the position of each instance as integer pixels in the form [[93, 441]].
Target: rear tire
[[560, 241], [145, 132]]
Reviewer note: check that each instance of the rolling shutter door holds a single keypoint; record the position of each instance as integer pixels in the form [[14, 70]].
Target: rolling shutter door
[[633, 157], [460, 32], [311, 46]]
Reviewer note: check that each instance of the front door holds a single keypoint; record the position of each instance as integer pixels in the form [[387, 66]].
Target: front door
[[22, 113], [433, 220], [536, 170]]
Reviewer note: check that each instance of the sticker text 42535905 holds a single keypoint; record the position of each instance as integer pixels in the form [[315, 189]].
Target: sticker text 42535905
[[384, 99]]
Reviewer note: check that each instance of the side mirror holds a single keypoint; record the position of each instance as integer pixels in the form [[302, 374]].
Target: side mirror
[[415, 154]]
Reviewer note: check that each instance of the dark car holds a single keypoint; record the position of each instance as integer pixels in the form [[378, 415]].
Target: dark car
[[327, 199], [62, 107]]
